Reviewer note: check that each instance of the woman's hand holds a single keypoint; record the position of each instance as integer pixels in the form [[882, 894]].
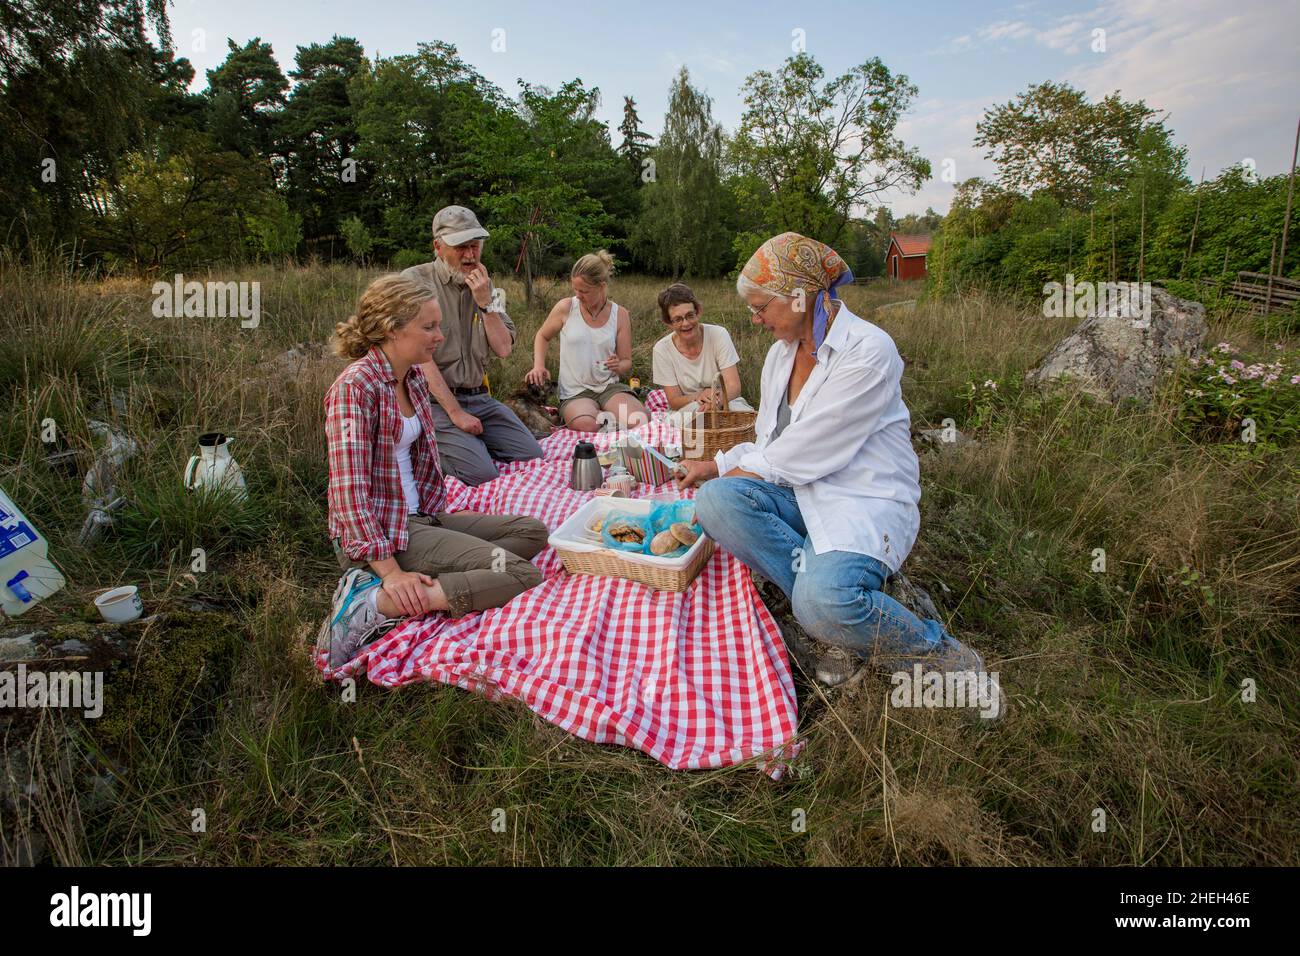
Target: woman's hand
[[537, 375], [612, 363], [407, 591], [691, 473], [707, 400]]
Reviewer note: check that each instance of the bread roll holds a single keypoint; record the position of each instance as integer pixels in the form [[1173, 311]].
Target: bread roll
[[664, 542], [684, 533]]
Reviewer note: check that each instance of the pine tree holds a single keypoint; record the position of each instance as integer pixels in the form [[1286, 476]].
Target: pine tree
[[636, 142]]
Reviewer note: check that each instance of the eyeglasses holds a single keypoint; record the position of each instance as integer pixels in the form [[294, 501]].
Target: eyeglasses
[[678, 320], [759, 311]]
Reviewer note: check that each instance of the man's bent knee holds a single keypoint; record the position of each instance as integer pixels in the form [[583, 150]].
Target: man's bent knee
[[472, 473]]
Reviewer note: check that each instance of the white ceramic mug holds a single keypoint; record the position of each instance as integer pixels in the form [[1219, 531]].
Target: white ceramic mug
[[120, 605]]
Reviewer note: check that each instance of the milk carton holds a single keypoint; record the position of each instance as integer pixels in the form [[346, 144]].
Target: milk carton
[[26, 575]]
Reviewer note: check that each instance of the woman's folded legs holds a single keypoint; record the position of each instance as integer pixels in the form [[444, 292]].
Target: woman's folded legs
[[837, 596], [477, 561], [839, 599], [756, 521]]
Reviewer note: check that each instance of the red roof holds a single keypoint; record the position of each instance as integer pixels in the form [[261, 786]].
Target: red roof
[[911, 245]]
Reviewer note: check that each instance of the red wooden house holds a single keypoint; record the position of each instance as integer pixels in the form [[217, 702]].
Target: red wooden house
[[906, 256]]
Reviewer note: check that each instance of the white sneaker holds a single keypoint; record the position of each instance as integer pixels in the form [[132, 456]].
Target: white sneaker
[[352, 620]]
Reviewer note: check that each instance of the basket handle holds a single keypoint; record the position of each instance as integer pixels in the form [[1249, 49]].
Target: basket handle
[[720, 385]]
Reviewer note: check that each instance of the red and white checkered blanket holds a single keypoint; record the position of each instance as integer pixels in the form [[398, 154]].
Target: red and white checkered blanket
[[696, 679]]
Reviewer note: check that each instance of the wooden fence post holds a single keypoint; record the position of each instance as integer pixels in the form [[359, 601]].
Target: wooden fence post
[[1195, 221], [1290, 191], [1268, 296]]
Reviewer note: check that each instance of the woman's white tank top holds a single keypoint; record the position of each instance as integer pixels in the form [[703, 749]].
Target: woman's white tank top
[[411, 429], [583, 349]]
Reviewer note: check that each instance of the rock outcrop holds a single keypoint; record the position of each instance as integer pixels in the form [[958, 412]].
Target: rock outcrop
[[1119, 352]]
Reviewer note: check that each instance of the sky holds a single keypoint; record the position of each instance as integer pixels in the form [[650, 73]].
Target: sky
[[1227, 74]]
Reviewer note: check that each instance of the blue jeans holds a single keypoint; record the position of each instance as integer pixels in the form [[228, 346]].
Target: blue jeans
[[835, 596]]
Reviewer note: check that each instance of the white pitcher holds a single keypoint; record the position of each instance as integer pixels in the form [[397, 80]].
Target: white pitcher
[[213, 467]]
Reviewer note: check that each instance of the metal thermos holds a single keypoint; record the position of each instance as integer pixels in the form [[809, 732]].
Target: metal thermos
[[586, 474]]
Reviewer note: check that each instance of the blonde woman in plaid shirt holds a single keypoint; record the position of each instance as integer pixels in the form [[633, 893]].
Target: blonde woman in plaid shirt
[[402, 555]]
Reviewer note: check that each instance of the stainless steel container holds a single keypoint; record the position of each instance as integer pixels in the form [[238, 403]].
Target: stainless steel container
[[586, 474]]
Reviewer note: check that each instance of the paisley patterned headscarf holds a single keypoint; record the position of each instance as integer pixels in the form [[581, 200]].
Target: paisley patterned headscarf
[[791, 261]]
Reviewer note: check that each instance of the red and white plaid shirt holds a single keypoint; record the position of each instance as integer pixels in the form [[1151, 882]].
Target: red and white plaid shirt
[[363, 424]]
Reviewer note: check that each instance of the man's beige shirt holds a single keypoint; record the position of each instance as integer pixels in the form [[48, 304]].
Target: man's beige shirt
[[462, 357]]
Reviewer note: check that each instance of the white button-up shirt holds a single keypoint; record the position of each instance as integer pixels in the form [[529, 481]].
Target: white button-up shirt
[[848, 449]]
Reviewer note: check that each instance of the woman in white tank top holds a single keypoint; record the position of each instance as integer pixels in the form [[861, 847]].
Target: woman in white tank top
[[595, 349]]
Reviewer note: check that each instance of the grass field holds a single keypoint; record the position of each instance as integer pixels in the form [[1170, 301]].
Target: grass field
[[1125, 686]]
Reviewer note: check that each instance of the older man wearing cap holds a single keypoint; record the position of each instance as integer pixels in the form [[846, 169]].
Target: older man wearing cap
[[473, 429]]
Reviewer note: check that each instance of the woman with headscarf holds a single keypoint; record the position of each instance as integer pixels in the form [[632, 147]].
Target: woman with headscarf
[[824, 504]]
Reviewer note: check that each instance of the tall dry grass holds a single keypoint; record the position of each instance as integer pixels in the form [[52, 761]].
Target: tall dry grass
[[1125, 685]]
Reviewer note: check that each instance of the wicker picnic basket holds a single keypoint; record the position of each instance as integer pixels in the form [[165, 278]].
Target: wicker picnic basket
[[711, 432], [611, 565], [581, 553]]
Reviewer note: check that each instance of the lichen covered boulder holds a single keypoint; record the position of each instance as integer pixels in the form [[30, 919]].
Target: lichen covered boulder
[[1119, 353]]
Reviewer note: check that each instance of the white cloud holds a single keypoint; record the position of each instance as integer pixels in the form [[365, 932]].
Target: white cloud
[[1006, 30], [1227, 79], [941, 130], [1228, 83], [1062, 37], [716, 62], [705, 61]]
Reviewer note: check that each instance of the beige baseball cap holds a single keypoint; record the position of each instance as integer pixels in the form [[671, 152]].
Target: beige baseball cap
[[455, 225]]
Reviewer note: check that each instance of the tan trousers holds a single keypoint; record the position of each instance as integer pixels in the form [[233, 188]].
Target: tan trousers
[[480, 560]]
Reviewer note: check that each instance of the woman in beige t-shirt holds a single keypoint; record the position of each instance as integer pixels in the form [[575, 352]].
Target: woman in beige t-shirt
[[688, 359]]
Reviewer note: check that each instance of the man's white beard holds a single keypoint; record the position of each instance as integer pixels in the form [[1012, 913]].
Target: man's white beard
[[457, 276]]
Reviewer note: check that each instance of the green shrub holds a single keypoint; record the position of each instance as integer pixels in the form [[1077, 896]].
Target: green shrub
[[406, 258], [164, 521]]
